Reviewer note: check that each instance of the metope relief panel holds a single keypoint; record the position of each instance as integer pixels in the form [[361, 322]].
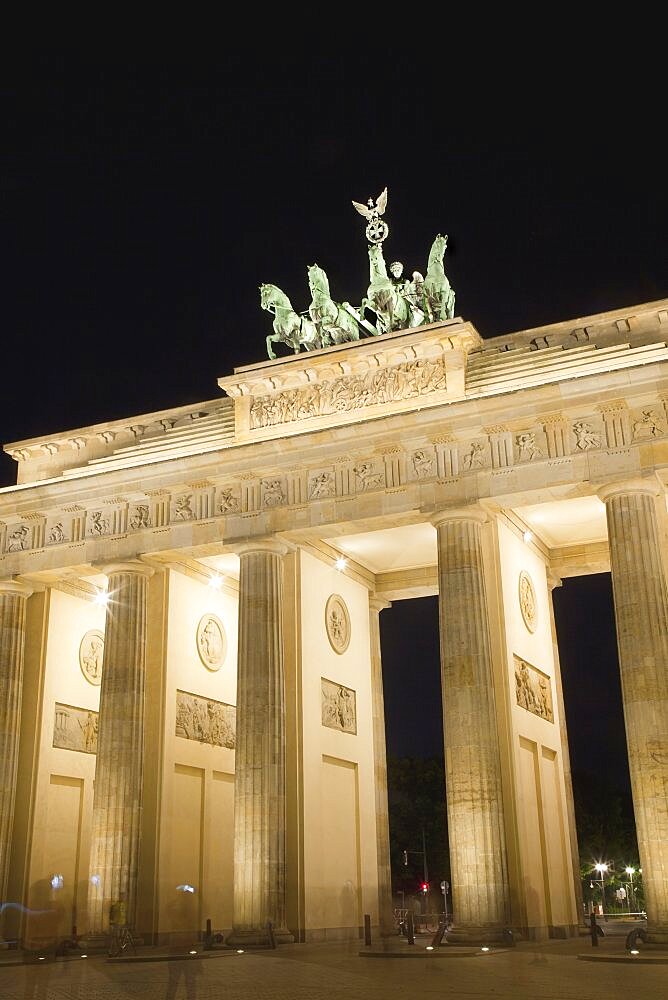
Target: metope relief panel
[[339, 706], [337, 623], [75, 729], [205, 720], [533, 690]]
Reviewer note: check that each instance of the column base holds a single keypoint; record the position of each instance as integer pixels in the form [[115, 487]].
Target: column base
[[656, 934], [481, 935], [258, 937]]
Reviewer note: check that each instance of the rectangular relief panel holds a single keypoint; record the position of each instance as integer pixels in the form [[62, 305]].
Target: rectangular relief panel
[[533, 690], [338, 706], [339, 899], [205, 720], [75, 728]]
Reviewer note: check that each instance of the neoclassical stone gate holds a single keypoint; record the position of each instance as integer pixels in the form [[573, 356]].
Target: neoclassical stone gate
[[189, 615]]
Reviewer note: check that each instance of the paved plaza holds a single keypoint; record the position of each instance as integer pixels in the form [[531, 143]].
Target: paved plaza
[[554, 970]]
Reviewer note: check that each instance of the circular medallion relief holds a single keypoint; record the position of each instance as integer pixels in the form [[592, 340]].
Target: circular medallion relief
[[211, 642], [91, 650], [337, 623], [527, 596]]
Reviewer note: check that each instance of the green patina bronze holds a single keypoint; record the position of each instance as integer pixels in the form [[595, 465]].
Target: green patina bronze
[[392, 302]]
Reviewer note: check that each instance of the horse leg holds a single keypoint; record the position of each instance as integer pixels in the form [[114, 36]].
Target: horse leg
[[271, 339]]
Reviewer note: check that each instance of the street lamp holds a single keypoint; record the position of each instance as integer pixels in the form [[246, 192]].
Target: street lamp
[[631, 872], [601, 867]]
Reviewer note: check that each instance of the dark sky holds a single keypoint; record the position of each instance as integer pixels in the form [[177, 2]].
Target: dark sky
[[142, 206]]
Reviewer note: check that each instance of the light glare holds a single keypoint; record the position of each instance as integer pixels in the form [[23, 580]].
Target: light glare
[[341, 564], [527, 536], [216, 582]]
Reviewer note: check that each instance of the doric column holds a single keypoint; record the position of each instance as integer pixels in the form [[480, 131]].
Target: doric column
[[259, 783], [13, 597], [385, 908], [476, 827], [553, 582], [120, 746], [641, 618]]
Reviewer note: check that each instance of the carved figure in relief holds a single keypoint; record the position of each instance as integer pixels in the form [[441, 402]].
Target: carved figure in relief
[[211, 640], [92, 658], [57, 534], [369, 479], [89, 730], [141, 517], [322, 485], [647, 425], [18, 540], [528, 447], [99, 525], [532, 691], [228, 502], [423, 464], [273, 492], [338, 707], [585, 436], [392, 309], [182, 509], [474, 457], [527, 599]]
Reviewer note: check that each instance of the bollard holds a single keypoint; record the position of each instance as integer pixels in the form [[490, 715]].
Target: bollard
[[411, 927], [270, 934], [208, 936], [594, 930], [367, 929]]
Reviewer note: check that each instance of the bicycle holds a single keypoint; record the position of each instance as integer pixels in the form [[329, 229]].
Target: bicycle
[[122, 940]]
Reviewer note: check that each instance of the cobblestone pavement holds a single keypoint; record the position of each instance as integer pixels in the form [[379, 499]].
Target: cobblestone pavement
[[338, 972]]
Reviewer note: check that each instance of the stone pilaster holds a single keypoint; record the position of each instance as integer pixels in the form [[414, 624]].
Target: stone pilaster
[[259, 785], [553, 582], [13, 597], [385, 908], [117, 800], [472, 767], [641, 616]]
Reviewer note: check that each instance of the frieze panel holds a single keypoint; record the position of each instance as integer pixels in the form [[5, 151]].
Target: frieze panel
[[228, 502], [273, 492], [205, 720], [75, 729], [407, 380], [533, 690], [140, 516], [321, 485], [338, 706], [648, 424], [423, 463]]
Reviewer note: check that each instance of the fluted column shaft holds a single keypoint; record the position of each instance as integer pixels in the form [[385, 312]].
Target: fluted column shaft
[[13, 597], [259, 784], [641, 617], [385, 909], [472, 767], [120, 747]]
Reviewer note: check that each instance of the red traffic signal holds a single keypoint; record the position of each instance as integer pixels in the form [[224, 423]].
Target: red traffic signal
[[425, 887]]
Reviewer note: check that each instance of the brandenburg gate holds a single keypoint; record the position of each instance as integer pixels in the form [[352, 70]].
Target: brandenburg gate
[[191, 707]]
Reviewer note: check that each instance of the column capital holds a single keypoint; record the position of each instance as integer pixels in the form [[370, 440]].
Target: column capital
[[127, 566], [648, 487], [378, 603], [15, 587], [553, 580], [277, 545], [472, 513]]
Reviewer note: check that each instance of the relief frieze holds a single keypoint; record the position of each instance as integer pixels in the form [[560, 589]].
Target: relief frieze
[[205, 720], [75, 729], [533, 690], [342, 395], [338, 706]]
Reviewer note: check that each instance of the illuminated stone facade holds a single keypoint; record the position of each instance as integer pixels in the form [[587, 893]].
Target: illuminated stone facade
[[229, 693]]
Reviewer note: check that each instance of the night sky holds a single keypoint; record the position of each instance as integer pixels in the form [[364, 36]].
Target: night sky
[[142, 206]]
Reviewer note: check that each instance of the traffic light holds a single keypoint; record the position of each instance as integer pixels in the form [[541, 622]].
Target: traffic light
[[425, 887]]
